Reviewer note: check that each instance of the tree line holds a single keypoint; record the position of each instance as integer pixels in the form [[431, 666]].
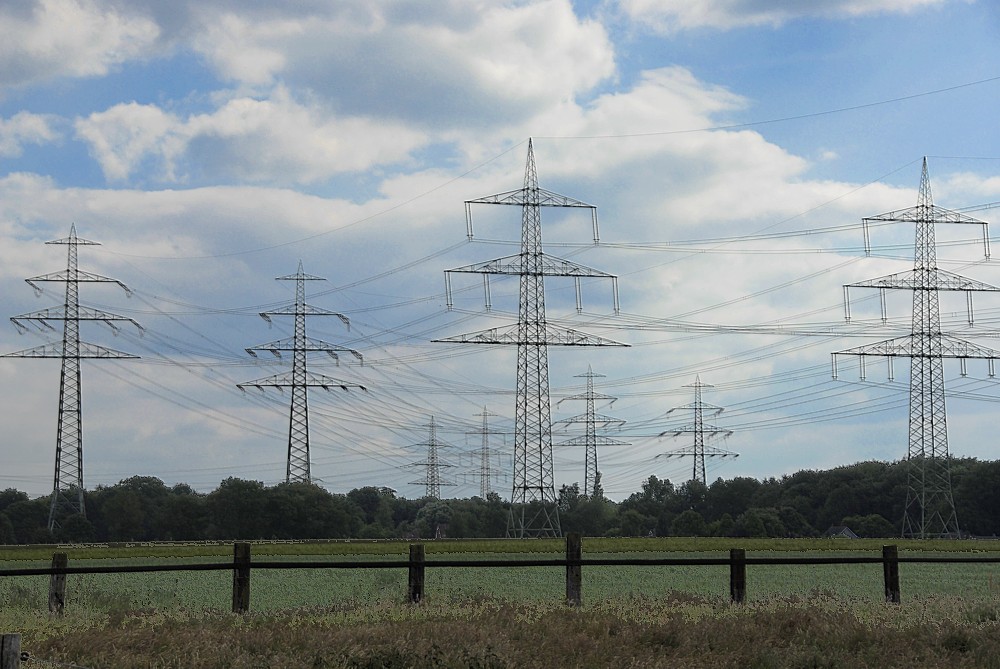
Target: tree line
[[868, 497]]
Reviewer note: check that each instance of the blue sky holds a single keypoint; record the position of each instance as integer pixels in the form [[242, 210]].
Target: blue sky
[[210, 146]]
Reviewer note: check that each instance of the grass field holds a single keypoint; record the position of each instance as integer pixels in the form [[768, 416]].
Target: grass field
[[796, 615]]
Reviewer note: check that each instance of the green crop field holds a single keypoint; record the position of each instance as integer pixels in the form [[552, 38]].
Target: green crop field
[[287, 588], [633, 616]]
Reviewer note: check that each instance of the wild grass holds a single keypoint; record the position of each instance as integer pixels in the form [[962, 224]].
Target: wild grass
[[677, 630]]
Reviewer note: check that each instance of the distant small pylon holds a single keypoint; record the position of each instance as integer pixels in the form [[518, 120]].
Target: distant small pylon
[[590, 440], [298, 468], [703, 433], [433, 480], [486, 473]]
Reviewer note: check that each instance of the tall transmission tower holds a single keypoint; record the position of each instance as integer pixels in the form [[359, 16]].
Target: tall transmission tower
[[486, 474], [930, 506], [67, 488], [300, 379], [590, 440], [533, 500], [703, 433], [433, 480]]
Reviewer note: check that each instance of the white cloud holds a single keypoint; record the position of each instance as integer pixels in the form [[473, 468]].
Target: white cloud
[[24, 128], [245, 139], [463, 64], [41, 39], [123, 136], [674, 15]]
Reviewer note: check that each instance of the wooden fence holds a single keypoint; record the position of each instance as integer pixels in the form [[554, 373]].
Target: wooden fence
[[417, 564]]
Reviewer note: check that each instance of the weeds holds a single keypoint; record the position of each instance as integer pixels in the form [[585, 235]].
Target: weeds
[[495, 634]]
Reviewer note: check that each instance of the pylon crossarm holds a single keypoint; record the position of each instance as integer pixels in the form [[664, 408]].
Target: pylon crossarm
[[531, 196], [79, 275], [84, 314], [547, 265], [595, 418], [938, 280], [588, 396], [921, 213], [287, 380], [704, 406], [909, 346], [596, 440], [55, 350], [554, 336], [707, 451], [289, 344], [694, 429], [306, 310]]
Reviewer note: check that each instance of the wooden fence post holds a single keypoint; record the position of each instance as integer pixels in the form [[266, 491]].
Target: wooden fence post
[[574, 570], [890, 571], [415, 586], [57, 584], [10, 651], [241, 577], [737, 575]]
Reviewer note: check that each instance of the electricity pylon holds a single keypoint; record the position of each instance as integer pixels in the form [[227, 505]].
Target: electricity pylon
[[432, 480], [703, 433], [590, 440], [930, 506], [533, 500], [300, 379], [67, 489], [486, 474]]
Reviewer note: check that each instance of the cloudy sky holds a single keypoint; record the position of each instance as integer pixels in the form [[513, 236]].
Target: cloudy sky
[[732, 148]]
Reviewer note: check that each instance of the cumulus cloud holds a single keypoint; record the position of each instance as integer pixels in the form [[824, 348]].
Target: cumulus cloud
[[245, 139], [24, 128], [463, 63], [122, 136], [674, 15], [41, 39]]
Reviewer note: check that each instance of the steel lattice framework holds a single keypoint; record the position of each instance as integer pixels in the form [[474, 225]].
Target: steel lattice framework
[[533, 499], [485, 451], [590, 440], [300, 379], [703, 433], [67, 488], [930, 507], [433, 480]]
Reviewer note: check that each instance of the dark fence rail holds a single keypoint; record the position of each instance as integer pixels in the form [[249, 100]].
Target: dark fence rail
[[242, 567]]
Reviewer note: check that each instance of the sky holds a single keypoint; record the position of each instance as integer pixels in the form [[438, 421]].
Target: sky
[[732, 148]]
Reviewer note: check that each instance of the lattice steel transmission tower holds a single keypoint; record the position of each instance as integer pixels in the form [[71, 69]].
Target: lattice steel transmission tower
[[433, 480], [300, 379], [486, 473], [67, 489], [533, 499], [930, 507], [703, 433], [590, 440]]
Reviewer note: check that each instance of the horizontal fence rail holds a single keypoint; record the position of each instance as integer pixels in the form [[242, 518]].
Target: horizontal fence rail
[[242, 567]]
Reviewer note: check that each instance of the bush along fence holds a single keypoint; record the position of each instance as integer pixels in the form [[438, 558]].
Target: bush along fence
[[574, 562]]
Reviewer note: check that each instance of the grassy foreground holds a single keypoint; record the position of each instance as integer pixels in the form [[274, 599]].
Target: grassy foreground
[[679, 631]]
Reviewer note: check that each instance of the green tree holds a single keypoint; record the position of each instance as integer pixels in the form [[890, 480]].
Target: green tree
[[76, 529], [236, 509], [731, 497], [690, 523], [760, 523], [872, 526], [7, 535]]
